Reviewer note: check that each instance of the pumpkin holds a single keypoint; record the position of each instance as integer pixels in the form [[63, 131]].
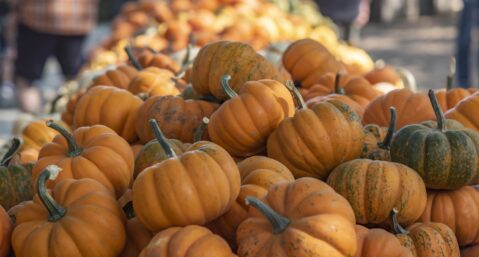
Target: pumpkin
[[379, 243], [153, 81], [95, 152], [6, 228], [377, 140], [427, 239], [178, 118], [445, 158], [464, 112], [113, 107], [307, 60], [472, 251], [36, 134], [136, 148], [411, 108], [242, 124], [119, 77], [163, 191], [258, 174], [150, 58], [300, 218], [25, 157], [314, 141], [15, 180], [458, 209], [384, 73], [78, 218], [189, 241], [67, 115], [237, 59], [374, 188]]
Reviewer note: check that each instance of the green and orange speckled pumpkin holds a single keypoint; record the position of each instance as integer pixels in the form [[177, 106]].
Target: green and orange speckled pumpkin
[[377, 141]]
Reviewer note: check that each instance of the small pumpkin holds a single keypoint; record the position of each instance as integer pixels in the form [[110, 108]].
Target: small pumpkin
[[36, 134], [153, 81], [379, 243], [15, 180], [188, 241], [444, 158], [242, 124], [178, 118], [119, 77], [300, 218], [163, 191], [78, 218], [374, 188], [384, 73], [25, 157], [464, 112], [6, 228], [307, 60], [67, 115], [150, 58], [471, 251], [237, 59], [95, 152], [113, 107], [411, 108], [377, 140]]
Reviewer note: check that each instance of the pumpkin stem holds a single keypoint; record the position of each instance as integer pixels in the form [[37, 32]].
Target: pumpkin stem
[[296, 94], [162, 139], [338, 89], [452, 73], [132, 58], [53, 105], [226, 86], [201, 129], [279, 223], [386, 143], [128, 210], [397, 228], [14, 147], [441, 120], [56, 211], [73, 148]]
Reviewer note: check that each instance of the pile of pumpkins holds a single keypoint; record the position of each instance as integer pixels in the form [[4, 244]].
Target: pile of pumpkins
[[235, 157]]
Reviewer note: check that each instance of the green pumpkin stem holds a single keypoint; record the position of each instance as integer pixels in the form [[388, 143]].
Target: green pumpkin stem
[[397, 228], [337, 88], [279, 223], [201, 129], [14, 147], [132, 58], [162, 139], [73, 148], [128, 210], [296, 94], [54, 103], [386, 143], [441, 120], [186, 60], [55, 211], [226, 86], [452, 73]]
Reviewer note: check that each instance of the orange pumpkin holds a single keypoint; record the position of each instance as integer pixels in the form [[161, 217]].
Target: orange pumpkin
[[258, 174], [95, 152], [307, 60], [471, 251], [153, 59], [37, 134], [377, 140], [178, 118], [153, 81], [259, 107], [113, 107], [5, 232], [464, 112], [300, 218], [355, 107], [136, 148], [25, 157], [384, 73], [379, 243], [119, 77], [78, 218], [410, 107], [162, 192], [67, 115]]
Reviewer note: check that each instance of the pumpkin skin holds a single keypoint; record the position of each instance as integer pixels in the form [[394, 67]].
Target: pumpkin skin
[[472, 251], [204, 168], [6, 228], [411, 108], [259, 107], [309, 217], [237, 59], [444, 158], [178, 118], [377, 140], [119, 77], [75, 208], [67, 115], [384, 74], [109, 106], [325, 123], [150, 59], [36, 134], [379, 243], [189, 241], [463, 112], [458, 209], [449, 98], [153, 81], [26, 157], [307, 60], [138, 238], [258, 174], [95, 152]]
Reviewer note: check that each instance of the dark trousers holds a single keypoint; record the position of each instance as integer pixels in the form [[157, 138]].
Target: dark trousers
[[468, 21]]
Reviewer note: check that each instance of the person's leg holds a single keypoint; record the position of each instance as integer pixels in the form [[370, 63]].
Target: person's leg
[[68, 52], [33, 49], [464, 29]]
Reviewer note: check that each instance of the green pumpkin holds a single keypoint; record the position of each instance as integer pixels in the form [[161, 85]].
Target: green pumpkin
[[445, 157], [15, 180]]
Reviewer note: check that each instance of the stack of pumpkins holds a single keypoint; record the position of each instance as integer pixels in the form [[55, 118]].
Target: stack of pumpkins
[[228, 159]]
